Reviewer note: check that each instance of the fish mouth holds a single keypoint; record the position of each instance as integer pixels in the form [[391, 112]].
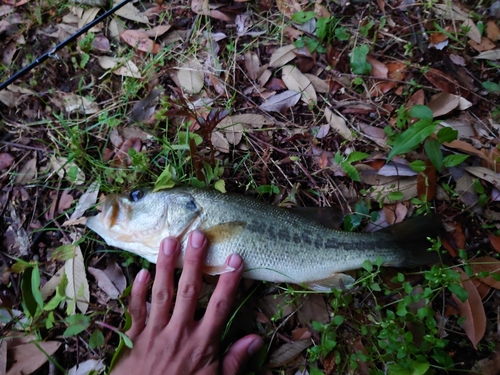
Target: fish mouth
[[110, 211]]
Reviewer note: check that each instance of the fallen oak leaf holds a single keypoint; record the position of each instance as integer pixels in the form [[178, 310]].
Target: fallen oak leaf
[[490, 265], [295, 80], [472, 310], [140, 39]]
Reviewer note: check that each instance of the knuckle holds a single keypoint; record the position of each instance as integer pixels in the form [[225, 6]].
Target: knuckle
[[222, 306], [189, 290], [137, 312], [162, 296]]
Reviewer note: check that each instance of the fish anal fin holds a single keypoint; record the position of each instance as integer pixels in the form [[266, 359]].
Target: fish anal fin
[[334, 281], [225, 231], [217, 270]]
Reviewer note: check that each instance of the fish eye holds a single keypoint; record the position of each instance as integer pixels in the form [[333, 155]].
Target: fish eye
[[136, 195]]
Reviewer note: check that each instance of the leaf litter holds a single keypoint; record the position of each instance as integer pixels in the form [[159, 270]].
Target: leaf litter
[[296, 107]]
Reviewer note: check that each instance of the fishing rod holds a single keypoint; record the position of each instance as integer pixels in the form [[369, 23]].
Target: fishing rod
[[53, 51]]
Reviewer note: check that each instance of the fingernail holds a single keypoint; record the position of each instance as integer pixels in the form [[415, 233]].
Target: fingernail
[[169, 246], [255, 346], [197, 239], [234, 261], [142, 276]]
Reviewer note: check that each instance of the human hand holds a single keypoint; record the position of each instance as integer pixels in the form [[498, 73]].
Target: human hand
[[179, 345]]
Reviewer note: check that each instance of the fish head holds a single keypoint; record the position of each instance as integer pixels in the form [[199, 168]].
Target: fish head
[[138, 221]]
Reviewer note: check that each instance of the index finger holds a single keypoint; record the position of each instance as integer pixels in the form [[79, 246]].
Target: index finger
[[222, 299], [191, 279]]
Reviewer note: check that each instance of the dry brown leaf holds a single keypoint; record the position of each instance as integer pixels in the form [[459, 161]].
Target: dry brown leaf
[[115, 274], [78, 286], [443, 103], [379, 70], [50, 286], [130, 12], [157, 31], [406, 186], [485, 45], [220, 142], [283, 100], [129, 69], [76, 103], [90, 366], [282, 56], [6, 160], [27, 358], [202, 7], [104, 283], [490, 265], [465, 147], [288, 7], [492, 30], [295, 80], [140, 39], [472, 310], [318, 84], [489, 55], [418, 98], [442, 81], [87, 17], [252, 64], [450, 11], [375, 134], [495, 242], [338, 124], [313, 308], [27, 172], [396, 71], [87, 200], [286, 352], [473, 32], [190, 76], [485, 174]]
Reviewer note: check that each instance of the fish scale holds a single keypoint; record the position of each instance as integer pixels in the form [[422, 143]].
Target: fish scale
[[276, 244]]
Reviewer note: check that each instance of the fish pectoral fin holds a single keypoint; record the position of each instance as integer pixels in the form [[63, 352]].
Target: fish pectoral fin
[[217, 270], [335, 281], [223, 232]]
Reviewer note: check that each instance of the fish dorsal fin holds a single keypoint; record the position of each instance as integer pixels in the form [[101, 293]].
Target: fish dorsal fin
[[335, 281], [224, 231], [330, 217]]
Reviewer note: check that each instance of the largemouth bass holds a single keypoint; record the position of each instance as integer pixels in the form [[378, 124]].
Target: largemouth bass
[[276, 244]]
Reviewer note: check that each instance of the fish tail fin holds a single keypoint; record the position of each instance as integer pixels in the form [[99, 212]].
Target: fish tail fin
[[411, 236]]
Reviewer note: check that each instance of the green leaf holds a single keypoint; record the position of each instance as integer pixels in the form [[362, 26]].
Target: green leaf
[[27, 293], [268, 189], [432, 148], [302, 17], [356, 156], [96, 339], [164, 180], [447, 134], [358, 63], [342, 34], [338, 320], [315, 371], [491, 87], [53, 303], [35, 286], [63, 253], [459, 291], [351, 171], [412, 137], [77, 324], [220, 185], [352, 222], [323, 28], [421, 112], [367, 265], [454, 160], [420, 368], [395, 195], [418, 166]]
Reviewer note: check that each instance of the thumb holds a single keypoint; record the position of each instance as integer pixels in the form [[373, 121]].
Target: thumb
[[239, 353]]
